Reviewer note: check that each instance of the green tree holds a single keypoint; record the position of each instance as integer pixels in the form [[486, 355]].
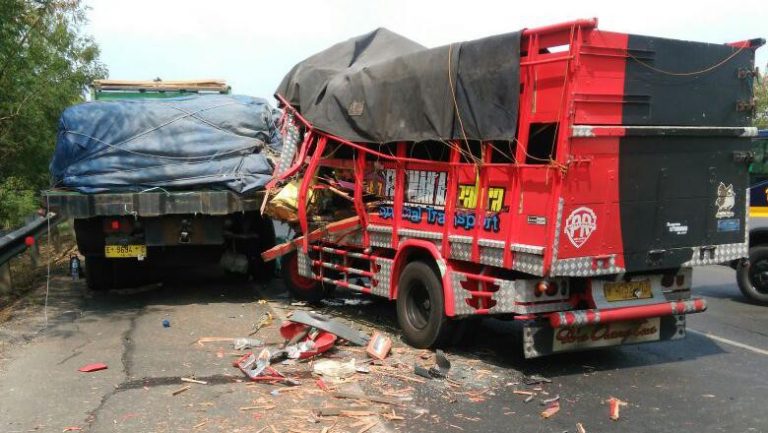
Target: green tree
[[46, 62], [761, 96]]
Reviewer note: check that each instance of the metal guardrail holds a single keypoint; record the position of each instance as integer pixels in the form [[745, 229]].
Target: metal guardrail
[[15, 242]]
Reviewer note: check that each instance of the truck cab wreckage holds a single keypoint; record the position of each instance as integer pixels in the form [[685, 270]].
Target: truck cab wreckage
[[564, 176]]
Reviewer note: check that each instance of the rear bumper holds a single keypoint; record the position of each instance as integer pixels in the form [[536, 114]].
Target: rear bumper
[[597, 316]]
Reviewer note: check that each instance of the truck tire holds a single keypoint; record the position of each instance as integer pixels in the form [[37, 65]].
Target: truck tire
[[753, 279], [301, 288], [421, 306], [99, 273]]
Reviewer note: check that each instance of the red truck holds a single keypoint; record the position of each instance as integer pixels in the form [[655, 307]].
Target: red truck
[[563, 176]]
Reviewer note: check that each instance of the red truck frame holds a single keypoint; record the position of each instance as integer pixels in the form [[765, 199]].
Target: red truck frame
[[536, 229]]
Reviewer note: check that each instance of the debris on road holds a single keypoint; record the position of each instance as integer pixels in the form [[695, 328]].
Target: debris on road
[[580, 428], [72, 428], [335, 371], [89, 368], [166, 323], [265, 320], [549, 401], [180, 390], [303, 341], [246, 343], [326, 324], [190, 380], [535, 380], [442, 365], [614, 405], [551, 410], [379, 346]]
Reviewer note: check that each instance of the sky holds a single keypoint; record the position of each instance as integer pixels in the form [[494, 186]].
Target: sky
[[253, 44]]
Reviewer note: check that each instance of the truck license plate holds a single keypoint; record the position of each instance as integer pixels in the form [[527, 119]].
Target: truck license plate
[[125, 251], [627, 290]]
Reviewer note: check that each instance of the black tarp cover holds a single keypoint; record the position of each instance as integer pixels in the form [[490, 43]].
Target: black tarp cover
[[381, 87]]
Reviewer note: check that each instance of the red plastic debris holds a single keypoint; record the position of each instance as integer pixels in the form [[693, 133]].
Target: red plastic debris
[[614, 405], [92, 367], [321, 384], [322, 341]]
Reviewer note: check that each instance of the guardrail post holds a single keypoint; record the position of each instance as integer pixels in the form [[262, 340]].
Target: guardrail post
[[34, 254], [6, 282]]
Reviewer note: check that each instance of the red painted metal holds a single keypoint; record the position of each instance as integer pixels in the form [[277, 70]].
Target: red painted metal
[[571, 76], [591, 317]]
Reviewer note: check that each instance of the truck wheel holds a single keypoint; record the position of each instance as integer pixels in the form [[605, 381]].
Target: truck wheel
[[300, 287], [753, 279], [99, 273], [421, 307]]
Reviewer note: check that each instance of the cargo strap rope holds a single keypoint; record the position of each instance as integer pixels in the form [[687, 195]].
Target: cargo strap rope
[[687, 74]]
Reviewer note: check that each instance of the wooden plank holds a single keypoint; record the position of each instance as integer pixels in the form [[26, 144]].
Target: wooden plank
[[287, 247]]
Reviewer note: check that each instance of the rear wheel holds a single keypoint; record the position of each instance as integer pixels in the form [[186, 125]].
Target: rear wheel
[[753, 278], [300, 287], [421, 307]]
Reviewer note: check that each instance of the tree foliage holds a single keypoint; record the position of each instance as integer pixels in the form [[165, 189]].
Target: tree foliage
[[45, 63], [761, 97]]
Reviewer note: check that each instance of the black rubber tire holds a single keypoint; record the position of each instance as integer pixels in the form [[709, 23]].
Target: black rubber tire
[[753, 279], [99, 273], [421, 306], [300, 288]]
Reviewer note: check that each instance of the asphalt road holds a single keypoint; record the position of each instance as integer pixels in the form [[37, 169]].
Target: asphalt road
[[714, 380]]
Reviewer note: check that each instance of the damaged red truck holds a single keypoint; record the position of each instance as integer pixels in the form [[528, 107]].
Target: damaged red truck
[[564, 176]]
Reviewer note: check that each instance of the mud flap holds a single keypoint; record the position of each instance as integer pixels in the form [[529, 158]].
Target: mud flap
[[540, 339]]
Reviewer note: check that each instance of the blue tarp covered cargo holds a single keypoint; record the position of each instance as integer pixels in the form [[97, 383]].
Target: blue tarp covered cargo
[[212, 141]]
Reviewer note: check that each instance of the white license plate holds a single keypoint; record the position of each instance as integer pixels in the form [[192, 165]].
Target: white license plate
[[606, 334]]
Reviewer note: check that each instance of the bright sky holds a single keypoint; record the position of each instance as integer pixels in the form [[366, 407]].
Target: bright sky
[[253, 44]]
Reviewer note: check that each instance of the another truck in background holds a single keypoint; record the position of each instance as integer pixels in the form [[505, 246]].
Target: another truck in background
[[126, 231]]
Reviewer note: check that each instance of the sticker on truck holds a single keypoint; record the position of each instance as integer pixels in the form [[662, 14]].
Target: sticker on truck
[[606, 334]]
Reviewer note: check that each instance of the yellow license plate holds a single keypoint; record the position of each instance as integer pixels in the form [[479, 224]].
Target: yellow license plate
[[627, 290], [125, 251]]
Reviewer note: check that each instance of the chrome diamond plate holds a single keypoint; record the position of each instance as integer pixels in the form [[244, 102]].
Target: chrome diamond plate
[[702, 256], [383, 277], [529, 263], [582, 267], [492, 256], [460, 306], [290, 144], [380, 236], [461, 247], [305, 264], [558, 226]]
